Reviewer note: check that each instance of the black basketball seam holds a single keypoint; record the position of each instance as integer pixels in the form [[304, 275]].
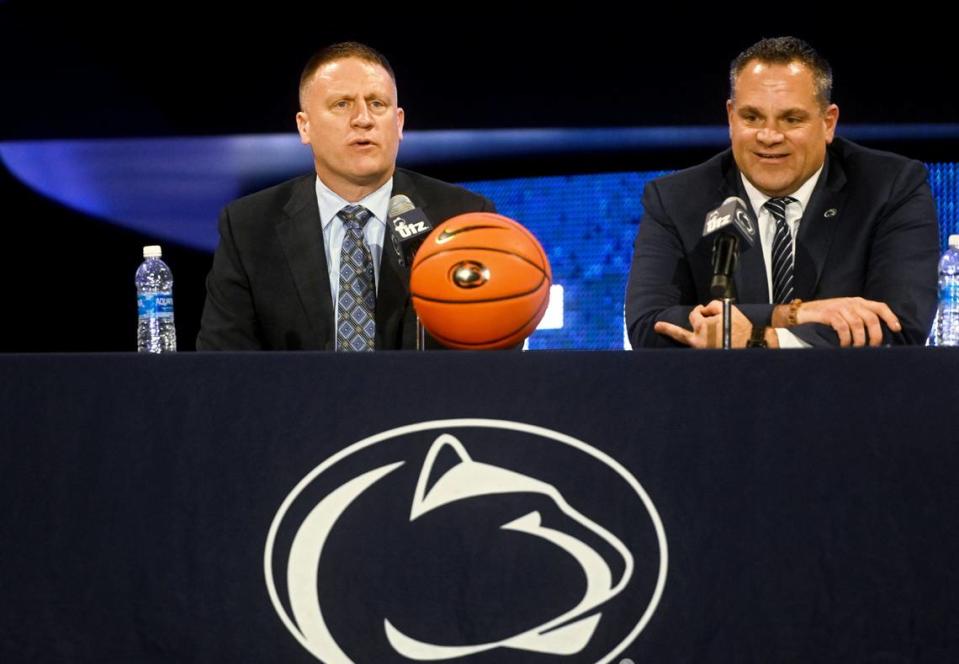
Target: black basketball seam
[[542, 308], [451, 234], [519, 226], [499, 251], [494, 299]]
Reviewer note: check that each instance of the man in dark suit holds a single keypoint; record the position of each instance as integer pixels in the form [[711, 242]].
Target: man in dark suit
[[848, 236], [309, 264]]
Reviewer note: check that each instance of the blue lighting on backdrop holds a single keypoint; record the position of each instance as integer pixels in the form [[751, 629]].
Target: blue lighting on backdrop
[[944, 180], [587, 224]]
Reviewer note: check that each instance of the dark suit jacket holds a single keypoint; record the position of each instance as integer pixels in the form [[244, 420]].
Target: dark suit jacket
[[869, 230], [269, 287]]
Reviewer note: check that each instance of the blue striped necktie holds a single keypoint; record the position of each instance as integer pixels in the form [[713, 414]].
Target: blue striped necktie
[[782, 263], [356, 302]]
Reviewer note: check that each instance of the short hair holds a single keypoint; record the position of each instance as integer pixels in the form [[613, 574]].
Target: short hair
[[341, 51], [782, 51]]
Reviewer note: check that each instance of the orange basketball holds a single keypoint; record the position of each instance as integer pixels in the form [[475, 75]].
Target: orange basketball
[[480, 281]]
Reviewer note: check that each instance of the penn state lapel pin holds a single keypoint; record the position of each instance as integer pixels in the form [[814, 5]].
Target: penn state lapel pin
[[830, 213]]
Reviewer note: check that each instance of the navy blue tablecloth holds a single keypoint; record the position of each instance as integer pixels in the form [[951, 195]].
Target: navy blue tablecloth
[[661, 506]]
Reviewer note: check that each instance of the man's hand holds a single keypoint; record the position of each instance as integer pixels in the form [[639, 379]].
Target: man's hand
[[707, 324], [855, 319]]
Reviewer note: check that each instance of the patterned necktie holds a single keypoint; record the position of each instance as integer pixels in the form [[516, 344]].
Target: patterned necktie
[[782, 251], [356, 302]]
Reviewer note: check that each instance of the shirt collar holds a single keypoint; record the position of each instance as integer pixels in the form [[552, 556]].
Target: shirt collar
[[802, 195], [377, 202]]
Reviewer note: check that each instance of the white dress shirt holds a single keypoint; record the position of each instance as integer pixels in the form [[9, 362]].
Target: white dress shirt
[[767, 233], [374, 232]]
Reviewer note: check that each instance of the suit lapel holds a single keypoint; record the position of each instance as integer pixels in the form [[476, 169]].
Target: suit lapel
[[301, 236], [817, 228]]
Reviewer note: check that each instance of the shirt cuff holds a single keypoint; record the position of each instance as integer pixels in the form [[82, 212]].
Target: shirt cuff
[[789, 340]]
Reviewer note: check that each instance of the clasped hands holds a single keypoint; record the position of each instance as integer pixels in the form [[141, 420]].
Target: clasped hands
[[856, 321]]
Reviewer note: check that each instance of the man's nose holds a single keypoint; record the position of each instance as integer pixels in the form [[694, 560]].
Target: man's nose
[[362, 116], [769, 136]]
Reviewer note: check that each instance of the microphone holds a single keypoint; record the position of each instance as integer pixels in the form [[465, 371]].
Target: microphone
[[733, 231], [408, 226]]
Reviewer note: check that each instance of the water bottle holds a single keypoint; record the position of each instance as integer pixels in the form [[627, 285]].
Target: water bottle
[[947, 333], [155, 330]]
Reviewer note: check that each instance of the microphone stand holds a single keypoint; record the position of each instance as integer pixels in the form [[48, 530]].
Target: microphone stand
[[722, 286], [420, 330], [420, 335], [727, 322], [405, 254]]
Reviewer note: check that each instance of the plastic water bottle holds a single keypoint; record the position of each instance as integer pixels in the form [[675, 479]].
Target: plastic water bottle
[[156, 332], [948, 330]]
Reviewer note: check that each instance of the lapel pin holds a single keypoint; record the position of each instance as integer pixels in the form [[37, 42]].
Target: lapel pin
[[831, 212]]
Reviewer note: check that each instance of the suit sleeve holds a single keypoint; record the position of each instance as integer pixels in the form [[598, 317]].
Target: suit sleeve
[[660, 285], [229, 318], [902, 264]]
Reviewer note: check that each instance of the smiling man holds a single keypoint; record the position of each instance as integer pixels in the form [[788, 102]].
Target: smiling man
[[308, 264], [848, 236]]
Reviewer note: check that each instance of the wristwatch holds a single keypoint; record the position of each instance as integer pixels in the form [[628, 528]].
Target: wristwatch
[[757, 339]]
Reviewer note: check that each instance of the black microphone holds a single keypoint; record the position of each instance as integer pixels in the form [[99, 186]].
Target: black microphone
[[733, 231], [408, 226]]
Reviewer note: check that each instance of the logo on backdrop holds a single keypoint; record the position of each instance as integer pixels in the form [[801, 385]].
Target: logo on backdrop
[[471, 539]]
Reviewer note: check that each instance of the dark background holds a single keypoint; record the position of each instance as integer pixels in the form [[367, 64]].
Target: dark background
[[144, 70]]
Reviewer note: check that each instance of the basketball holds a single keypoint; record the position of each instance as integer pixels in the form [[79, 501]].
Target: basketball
[[480, 281]]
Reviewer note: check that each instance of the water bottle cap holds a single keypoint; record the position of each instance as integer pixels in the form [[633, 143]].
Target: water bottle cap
[[154, 251], [954, 241]]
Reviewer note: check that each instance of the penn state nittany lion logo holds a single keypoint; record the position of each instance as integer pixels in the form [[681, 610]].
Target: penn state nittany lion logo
[[428, 543]]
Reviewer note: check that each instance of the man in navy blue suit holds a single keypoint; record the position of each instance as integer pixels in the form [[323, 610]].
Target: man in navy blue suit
[[848, 241]]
